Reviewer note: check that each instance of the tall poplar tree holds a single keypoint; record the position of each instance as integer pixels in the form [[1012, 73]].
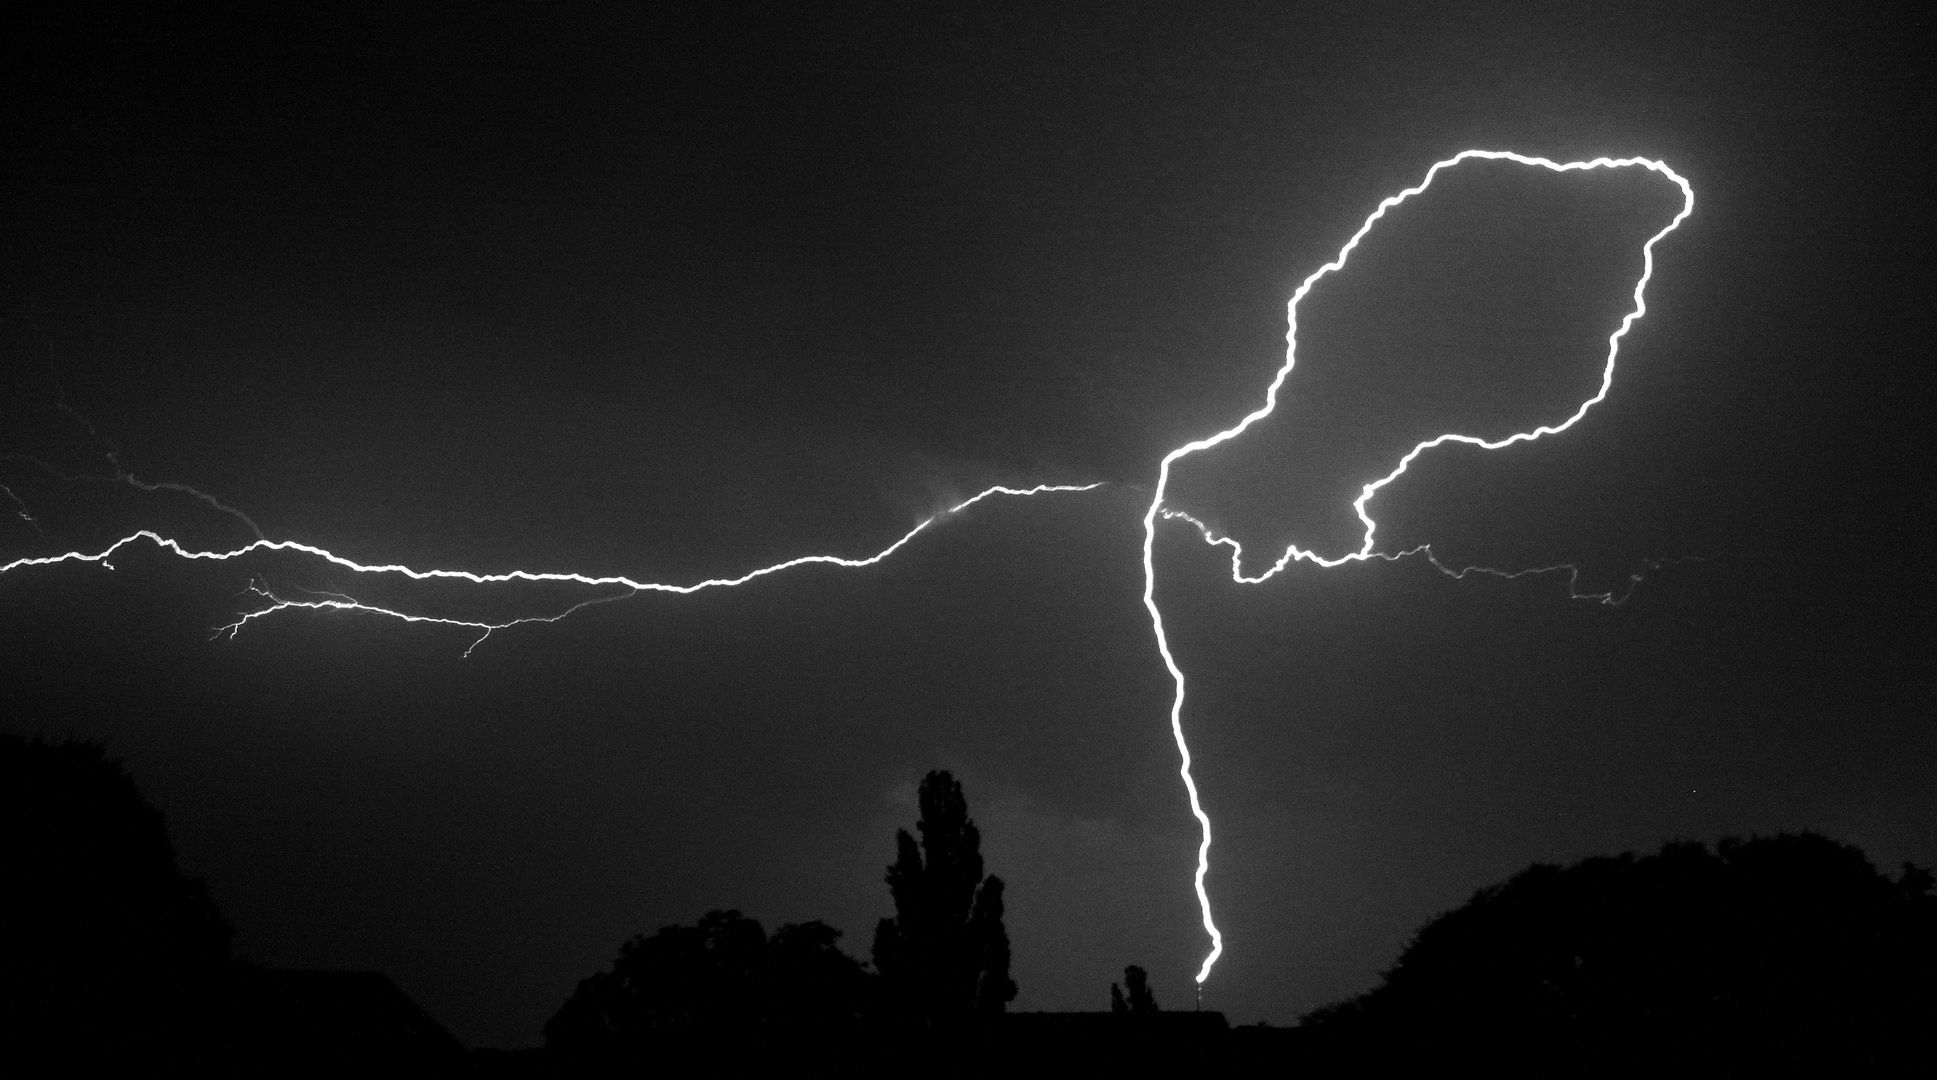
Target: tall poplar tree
[[944, 957]]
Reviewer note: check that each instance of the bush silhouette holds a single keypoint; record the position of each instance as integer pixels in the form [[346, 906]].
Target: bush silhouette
[[722, 983], [1140, 1001], [109, 950], [1779, 953]]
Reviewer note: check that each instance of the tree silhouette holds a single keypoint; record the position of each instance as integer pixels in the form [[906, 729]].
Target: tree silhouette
[[108, 950], [722, 983], [1141, 1001], [1786, 953], [944, 956]]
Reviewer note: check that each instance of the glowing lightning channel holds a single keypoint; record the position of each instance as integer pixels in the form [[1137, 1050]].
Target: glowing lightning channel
[[1157, 509], [341, 602]]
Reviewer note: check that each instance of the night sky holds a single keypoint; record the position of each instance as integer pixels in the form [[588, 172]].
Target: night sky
[[678, 294]]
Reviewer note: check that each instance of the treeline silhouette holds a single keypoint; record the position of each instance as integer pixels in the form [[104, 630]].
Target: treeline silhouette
[[111, 958], [1785, 955], [109, 950], [725, 989], [1782, 955], [724, 978]]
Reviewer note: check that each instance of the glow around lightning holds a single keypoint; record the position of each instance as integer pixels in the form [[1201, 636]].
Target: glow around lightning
[[1158, 511]]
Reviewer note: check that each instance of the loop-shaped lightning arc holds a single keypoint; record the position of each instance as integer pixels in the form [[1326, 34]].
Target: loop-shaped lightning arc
[[1158, 511]]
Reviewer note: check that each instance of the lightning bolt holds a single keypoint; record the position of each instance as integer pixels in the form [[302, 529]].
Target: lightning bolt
[[271, 601], [274, 602], [1158, 511]]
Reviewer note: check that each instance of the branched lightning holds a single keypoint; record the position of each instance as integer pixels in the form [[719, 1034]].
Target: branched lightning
[[1610, 597], [341, 602], [1158, 511], [123, 476], [269, 600], [329, 601]]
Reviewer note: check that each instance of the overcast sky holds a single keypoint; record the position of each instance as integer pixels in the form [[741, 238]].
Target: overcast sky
[[680, 295]]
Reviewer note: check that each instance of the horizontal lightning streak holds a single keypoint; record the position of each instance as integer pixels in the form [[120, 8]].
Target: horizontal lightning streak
[[1365, 551], [339, 602], [1609, 598]]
